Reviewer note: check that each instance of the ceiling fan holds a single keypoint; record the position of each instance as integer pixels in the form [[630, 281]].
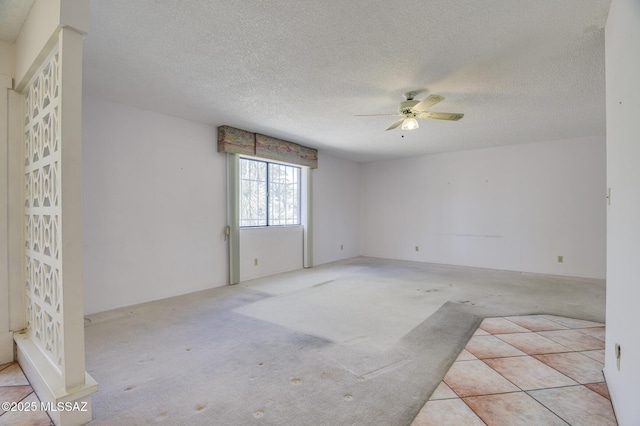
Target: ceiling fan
[[410, 109]]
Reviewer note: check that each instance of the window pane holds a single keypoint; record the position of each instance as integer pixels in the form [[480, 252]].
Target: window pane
[[269, 194], [284, 195], [253, 193]]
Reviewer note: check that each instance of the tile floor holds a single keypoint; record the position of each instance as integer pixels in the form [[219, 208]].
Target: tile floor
[[14, 387], [525, 370]]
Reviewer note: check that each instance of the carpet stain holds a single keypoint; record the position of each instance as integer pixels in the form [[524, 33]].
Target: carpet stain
[[260, 364], [161, 417], [383, 370], [258, 413], [268, 403], [326, 282], [128, 388], [200, 407], [356, 340], [295, 381], [348, 397]]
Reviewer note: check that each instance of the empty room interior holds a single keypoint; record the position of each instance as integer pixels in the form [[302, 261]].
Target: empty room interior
[[319, 212]]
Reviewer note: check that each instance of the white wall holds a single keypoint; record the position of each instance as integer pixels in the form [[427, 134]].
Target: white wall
[[153, 206], [7, 58], [335, 194], [154, 210], [514, 208], [623, 215], [277, 249], [335, 189]]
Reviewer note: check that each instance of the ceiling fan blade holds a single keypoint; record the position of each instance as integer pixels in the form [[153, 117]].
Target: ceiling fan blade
[[396, 124], [428, 102], [451, 116], [375, 115]]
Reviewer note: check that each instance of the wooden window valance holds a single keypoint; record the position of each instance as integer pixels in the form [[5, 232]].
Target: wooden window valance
[[239, 141]]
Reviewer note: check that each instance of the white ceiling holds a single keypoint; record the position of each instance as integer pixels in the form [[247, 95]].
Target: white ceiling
[[521, 71], [12, 16]]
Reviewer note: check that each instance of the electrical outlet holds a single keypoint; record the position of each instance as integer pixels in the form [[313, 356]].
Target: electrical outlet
[[618, 354], [560, 259], [255, 262], [417, 248]]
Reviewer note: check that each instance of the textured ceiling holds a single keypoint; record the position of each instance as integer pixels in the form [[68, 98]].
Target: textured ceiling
[[520, 71]]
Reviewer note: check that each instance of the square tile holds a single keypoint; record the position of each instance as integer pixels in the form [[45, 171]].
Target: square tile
[[528, 373], [447, 412], [572, 322], [13, 376], [491, 347], [501, 325], [580, 368], [600, 388], [470, 378], [596, 355], [573, 339], [465, 355], [31, 418], [565, 353], [577, 405], [597, 332], [510, 409], [13, 394], [533, 343], [442, 392], [536, 323]]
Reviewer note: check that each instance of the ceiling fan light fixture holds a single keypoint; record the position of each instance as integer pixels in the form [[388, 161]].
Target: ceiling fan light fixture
[[410, 124], [410, 109]]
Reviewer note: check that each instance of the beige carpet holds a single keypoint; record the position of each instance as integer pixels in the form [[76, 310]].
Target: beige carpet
[[359, 342]]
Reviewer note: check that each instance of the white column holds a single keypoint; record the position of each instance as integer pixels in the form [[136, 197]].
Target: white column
[[15, 208], [307, 218], [71, 214], [233, 216], [6, 336]]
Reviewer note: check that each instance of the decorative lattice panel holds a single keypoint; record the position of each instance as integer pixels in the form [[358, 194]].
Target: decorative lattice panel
[[43, 283]]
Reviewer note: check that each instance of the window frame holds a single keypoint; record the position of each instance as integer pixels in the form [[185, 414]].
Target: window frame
[[268, 198]]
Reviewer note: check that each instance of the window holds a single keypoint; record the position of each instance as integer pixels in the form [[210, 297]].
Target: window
[[269, 194]]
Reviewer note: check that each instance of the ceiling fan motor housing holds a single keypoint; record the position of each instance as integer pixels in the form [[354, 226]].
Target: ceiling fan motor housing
[[406, 106]]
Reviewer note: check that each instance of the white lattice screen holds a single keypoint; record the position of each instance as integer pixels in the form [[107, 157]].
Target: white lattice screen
[[43, 261]]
